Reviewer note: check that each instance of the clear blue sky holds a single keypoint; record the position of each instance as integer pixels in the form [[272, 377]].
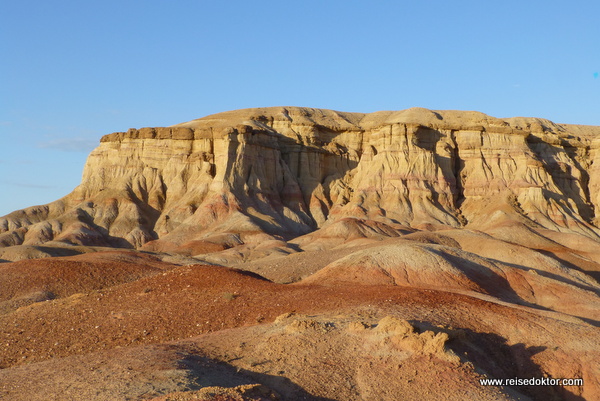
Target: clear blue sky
[[73, 71]]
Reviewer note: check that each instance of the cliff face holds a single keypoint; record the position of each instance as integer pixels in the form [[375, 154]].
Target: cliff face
[[254, 174]]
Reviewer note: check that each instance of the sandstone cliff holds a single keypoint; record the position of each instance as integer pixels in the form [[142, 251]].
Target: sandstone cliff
[[278, 173], [435, 247]]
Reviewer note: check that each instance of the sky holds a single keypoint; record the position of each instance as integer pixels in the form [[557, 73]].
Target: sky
[[72, 71]]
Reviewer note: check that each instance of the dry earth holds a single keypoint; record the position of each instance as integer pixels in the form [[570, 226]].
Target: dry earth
[[305, 254], [186, 328]]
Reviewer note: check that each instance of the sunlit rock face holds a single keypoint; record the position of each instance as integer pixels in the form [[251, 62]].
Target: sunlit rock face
[[278, 173]]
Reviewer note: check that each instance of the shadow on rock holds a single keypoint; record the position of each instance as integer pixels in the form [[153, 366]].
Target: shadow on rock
[[493, 357]]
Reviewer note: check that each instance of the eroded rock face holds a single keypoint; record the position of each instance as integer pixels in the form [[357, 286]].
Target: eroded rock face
[[267, 173]]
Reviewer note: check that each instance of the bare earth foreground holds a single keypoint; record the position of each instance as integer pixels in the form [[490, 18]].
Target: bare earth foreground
[[306, 254]]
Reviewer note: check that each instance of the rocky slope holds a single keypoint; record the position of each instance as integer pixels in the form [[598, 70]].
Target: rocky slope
[[248, 175], [436, 248], [187, 328]]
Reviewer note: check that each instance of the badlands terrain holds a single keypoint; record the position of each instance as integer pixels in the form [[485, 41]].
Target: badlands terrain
[[304, 254]]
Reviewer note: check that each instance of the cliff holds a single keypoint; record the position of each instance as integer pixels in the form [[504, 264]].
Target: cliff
[[253, 175], [435, 247]]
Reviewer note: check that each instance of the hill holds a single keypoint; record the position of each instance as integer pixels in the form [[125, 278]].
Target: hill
[[295, 253]]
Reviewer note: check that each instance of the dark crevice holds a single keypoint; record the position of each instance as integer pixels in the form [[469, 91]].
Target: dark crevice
[[457, 167], [585, 176], [563, 176]]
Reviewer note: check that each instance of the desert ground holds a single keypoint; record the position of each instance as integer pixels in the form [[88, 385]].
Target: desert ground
[[307, 254]]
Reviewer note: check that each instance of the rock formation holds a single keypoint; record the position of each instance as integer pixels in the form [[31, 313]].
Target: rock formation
[[437, 248], [278, 173]]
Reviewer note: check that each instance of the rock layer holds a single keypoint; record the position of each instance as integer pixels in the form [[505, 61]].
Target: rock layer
[[250, 175]]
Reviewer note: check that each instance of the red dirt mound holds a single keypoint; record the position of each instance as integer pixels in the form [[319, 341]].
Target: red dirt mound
[[188, 301], [60, 277]]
